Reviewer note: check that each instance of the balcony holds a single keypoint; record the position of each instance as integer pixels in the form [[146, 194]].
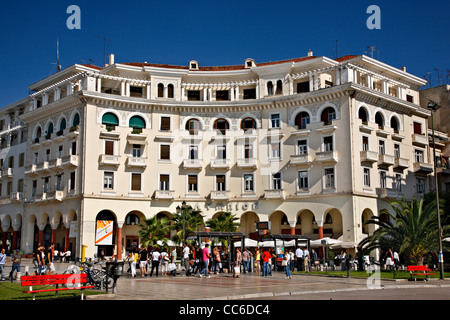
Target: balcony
[[109, 160], [422, 168], [74, 132], [364, 127], [16, 196], [43, 167], [401, 163], [442, 170], [301, 160], [385, 160], [7, 173], [59, 136], [70, 161], [192, 164], [59, 195], [136, 138], [381, 132], [326, 156], [274, 194], [369, 156], [47, 140], [301, 132], [136, 162], [55, 164], [164, 194], [220, 164], [31, 170], [220, 195], [247, 163], [389, 193], [419, 140]]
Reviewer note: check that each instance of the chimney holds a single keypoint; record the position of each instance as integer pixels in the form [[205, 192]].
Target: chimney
[[310, 53], [404, 69], [111, 59]]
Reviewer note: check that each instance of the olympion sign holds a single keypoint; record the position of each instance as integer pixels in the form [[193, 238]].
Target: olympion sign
[[244, 206]]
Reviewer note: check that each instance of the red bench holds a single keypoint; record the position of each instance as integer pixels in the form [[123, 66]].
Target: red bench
[[71, 281], [419, 271]]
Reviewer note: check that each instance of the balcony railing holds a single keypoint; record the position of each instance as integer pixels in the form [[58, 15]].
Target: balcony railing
[[421, 167], [112, 160], [401, 163], [419, 140], [327, 156], [137, 162], [192, 164], [220, 195], [220, 164], [369, 156], [247, 163], [386, 160], [301, 159], [274, 194], [164, 194]]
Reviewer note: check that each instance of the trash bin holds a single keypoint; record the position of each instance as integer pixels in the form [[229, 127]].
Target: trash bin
[[110, 268], [118, 269]]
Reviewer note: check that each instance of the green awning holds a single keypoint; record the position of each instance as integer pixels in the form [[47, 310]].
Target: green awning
[[110, 118], [137, 122]]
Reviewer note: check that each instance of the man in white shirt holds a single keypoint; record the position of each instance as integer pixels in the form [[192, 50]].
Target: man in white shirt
[[299, 255], [186, 251], [156, 256]]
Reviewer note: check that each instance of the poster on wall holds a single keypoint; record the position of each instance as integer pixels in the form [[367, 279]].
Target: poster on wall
[[104, 232], [73, 229]]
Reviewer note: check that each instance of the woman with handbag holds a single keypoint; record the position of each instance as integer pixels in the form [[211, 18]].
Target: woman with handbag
[[164, 263], [286, 264]]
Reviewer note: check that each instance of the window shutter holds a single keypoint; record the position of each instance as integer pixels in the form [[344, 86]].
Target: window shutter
[[165, 123], [109, 147], [165, 152], [136, 181], [220, 179], [192, 179]]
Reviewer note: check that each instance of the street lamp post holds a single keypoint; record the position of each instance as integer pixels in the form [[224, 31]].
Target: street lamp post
[[183, 210], [434, 107]]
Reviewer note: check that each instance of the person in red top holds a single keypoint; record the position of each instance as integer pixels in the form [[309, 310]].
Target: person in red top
[[266, 256]]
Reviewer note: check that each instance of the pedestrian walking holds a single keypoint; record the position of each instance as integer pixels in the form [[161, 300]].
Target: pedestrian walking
[[286, 262], [246, 255], [49, 259], [143, 255], [396, 260], [186, 260], [16, 259], [265, 257], [156, 257], [389, 260], [237, 264], [133, 262], [2, 264], [164, 262], [299, 255], [172, 268], [205, 257], [257, 268]]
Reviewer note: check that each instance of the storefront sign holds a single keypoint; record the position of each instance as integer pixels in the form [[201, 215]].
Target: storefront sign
[[73, 229], [104, 232]]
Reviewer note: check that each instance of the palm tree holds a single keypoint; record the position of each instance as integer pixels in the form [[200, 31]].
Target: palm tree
[[412, 228], [224, 222], [189, 220], [154, 229]]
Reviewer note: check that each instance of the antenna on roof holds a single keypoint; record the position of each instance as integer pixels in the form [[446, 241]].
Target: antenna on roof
[[370, 51], [104, 48]]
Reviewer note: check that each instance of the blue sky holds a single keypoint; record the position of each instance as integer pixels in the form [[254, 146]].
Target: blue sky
[[413, 34]]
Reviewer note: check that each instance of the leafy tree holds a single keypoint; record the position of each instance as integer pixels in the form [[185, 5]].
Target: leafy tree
[[412, 228], [225, 222], [190, 219], [153, 230]]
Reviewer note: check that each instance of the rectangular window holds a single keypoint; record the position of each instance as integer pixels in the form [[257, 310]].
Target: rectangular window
[[164, 182], [108, 181], [418, 155], [248, 182], [365, 143], [398, 182], [222, 152], [192, 183], [72, 181], [60, 152], [220, 182], [165, 152], [383, 179], [46, 184], [328, 143], [302, 147], [74, 148], [381, 147], [249, 94], [9, 187], [303, 180], [329, 178], [276, 181], [109, 147], [420, 185], [275, 150], [47, 155], [21, 160], [248, 151], [58, 182], [165, 124], [417, 128], [193, 152], [11, 162], [36, 158], [136, 182], [366, 177], [20, 185], [303, 87], [275, 120], [222, 95], [193, 95], [409, 98], [34, 188], [397, 150], [136, 152]]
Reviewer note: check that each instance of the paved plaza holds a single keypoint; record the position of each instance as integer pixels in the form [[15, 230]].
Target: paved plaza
[[251, 286]]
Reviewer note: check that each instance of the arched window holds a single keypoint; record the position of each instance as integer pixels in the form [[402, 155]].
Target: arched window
[[362, 114], [193, 126], [110, 120], [38, 134], [248, 123], [160, 90], [269, 88], [170, 91], [279, 87], [62, 124], [328, 115], [379, 119], [76, 120], [302, 119], [394, 124], [221, 125], [49, 130], [137, 122], [328, 219], [132, 219]]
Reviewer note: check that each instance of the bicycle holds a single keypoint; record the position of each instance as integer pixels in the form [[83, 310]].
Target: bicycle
[[95, 273]]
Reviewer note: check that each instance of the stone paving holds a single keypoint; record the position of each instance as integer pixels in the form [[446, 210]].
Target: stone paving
[[247, 286]]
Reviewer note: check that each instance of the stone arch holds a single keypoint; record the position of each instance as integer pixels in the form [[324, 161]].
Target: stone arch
[[335, 229], [248, 224], [366, 215], [304, 222], [279, 223]]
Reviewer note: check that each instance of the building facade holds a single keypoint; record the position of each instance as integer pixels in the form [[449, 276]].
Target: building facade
[[312, 144]]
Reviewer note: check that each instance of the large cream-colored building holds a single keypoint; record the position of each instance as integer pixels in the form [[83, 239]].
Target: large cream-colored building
[[313, 145]]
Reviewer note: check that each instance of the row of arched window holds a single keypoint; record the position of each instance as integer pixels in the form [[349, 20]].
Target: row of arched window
[[61, 126], [379, 119]]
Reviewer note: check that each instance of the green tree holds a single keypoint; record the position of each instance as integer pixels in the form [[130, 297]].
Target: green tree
[[187, 220], [412, 228], [225, 222], [153, 230]]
